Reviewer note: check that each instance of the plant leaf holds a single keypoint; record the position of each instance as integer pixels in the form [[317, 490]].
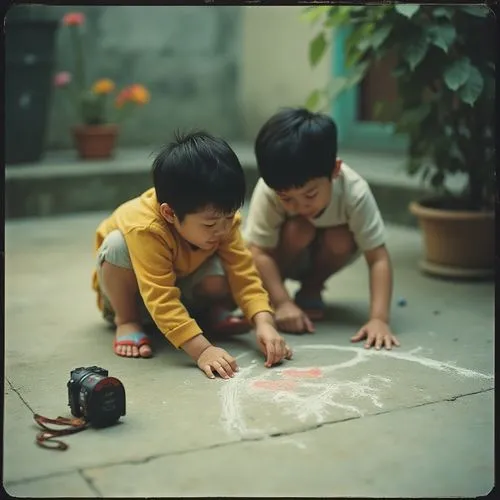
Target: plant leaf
[[407, 10], [475, 10], [352, 57], [456, 153], [473, 87], [425, 174], [464, 130], [442, 12], [415, 51], [399, 70], [410, 120], [317, 48], [313, 100], [338, 15], [312, 14], [387, 111], [356, 75], [437, 180], [414, 164], [379, 36], [457, 73], [353, 50], [442, 36]]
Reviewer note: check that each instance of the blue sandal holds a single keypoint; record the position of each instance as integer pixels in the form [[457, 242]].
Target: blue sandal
[[137, 339]]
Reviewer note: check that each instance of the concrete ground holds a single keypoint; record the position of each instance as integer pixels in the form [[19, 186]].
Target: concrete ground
[[337, 420]]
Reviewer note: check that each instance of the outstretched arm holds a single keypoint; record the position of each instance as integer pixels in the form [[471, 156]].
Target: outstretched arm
[[380, 269], [377, 331]]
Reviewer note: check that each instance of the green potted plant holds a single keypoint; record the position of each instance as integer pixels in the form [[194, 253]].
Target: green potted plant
[[445, 72], [98, 111]]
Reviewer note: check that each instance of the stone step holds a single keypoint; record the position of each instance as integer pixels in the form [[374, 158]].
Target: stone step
[[62, 184]]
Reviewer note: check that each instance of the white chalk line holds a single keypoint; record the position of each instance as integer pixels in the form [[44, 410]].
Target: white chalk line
[[404, 356], [242, 355], [312, 404], [232, 413]]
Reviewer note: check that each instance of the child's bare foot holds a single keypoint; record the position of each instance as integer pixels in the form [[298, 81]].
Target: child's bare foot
[[131, 342], [311, 303]]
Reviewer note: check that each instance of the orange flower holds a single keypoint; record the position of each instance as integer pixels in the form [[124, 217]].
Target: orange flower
[[123, 97], [103, 86], [134, 93], [73, 19], [139, 94]]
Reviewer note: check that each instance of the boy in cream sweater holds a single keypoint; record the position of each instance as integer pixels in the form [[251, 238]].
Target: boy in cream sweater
[[310, 216], [177, 246]]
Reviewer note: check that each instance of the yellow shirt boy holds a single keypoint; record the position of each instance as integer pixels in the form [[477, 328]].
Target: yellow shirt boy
[[177, 244]]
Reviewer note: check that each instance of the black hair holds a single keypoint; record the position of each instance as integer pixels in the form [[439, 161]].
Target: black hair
[[295, 146], [197, 170]]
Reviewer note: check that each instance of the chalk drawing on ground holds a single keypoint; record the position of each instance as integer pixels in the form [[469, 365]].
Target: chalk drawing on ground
[[311, 392]]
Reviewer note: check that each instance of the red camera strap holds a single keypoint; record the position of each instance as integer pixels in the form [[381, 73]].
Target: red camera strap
[[42, 438]]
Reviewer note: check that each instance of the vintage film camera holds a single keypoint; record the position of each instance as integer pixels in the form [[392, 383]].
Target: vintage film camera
[[95, 396]]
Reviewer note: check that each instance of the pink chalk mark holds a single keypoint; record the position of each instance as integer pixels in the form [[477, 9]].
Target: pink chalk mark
[[311, 373], [275, 385]]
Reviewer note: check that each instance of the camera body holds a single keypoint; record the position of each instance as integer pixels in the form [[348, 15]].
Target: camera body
[[94, 395]]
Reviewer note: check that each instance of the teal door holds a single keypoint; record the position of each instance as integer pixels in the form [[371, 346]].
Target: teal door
[[355, 130]]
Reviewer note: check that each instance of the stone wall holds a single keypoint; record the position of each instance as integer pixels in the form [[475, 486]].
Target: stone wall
[[275, 70], [188, 57], [223, 68]]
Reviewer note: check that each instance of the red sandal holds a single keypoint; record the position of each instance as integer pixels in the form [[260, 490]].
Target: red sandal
[[228, 323]]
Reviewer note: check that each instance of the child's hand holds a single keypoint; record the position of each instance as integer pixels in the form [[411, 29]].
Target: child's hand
[[220, 360], [272, 344], [378, 332], [290, 318]]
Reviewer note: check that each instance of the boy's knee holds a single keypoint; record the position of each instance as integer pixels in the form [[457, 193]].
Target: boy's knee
[[297, 234], [115, 251], [114, 263], [339, 241], [212, 286]]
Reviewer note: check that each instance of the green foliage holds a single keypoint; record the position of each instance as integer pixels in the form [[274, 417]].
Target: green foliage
[[317, 48], [407, 10], [445, 71]]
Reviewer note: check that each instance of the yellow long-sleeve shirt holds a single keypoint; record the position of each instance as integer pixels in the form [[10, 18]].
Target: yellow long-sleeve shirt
[[160, 255]]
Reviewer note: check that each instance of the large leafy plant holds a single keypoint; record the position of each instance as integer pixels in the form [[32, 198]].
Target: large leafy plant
[[445, 71]]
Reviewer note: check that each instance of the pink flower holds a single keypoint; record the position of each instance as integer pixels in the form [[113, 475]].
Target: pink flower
[[62, 79], [73, 19]]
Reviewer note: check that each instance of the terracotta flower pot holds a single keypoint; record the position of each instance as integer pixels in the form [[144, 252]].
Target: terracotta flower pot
[[457, 244], [95, 141]]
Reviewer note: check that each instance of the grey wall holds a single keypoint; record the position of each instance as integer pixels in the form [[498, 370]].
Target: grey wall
[[188, 57]]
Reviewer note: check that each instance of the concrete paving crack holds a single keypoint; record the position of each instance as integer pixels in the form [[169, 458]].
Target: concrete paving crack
[[90, 483], [454, 398], [19, 395], [295, 431], [267, 437], [37, 478]]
